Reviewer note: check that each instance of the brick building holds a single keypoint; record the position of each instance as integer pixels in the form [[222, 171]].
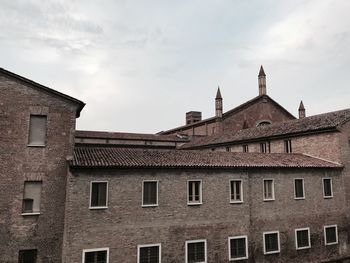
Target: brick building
[[253, 184]]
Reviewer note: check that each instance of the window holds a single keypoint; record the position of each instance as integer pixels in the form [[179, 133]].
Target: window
[[302, 238], [238, 247], [27, 256], [196, 251], [271, 242], [263, 123], [269, 190], [288, 146], [236, 191], [98, 255], [98, 195], [37, 130], [245, 148], [194, 192], [330, 235], [228, 149], [299, 189], [149, 253], [265, 147], [327, 188], [150, 193], [31, 198]]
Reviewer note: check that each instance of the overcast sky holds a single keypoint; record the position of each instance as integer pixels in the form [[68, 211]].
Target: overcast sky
[[141, 65]]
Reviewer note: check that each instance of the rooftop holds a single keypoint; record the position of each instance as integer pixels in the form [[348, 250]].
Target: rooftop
[[104, 157], [316, 123]]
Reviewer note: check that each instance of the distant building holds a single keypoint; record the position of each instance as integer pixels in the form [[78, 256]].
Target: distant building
[[253, 184]]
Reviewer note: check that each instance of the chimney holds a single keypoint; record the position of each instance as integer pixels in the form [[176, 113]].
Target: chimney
[[301, 110], [193, 117], [218, 104], [262, 81]]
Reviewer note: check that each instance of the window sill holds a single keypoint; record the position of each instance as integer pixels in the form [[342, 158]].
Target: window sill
[[299, 198], [154, 205], [236, 202], [329, 244], [199, 203], [328, 197], [272, 252], [37, 145], [301, 248], [236, 259], [97, 207], [269, 200], [31, 214]]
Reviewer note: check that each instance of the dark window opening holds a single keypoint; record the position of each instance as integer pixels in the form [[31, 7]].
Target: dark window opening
[[98, 194], [96, 257], [150, 193], [149, 254], [238, 248], [195, 252], [27, 256]]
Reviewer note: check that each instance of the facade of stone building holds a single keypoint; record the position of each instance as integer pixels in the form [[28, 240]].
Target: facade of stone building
[[258, 185]]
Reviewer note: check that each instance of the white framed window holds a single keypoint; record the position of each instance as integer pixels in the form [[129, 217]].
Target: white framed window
[[236, 191], [150, 253], [149, 193], [196, 251], [98, 195], [31, 198], [287, 146], [302, 238], [238, 247], [194, 192], [245, 148], [299, 190], [271, 242], [269, 189], [327, 187], [330, 235], [96, 255], [37, 130], [265, 147]]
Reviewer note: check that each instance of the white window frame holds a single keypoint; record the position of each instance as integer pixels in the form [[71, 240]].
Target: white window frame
[[296, 238], [273, 189], [196, 241], [143, 183], [246, 247], [330, 196], [200, 192], [232, 201], [149, 245], [336, 234], [95, 250], [295, 197], [278, 240], [98, 207]]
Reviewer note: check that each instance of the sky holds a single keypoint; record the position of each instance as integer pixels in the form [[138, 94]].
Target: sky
[[140, 65]]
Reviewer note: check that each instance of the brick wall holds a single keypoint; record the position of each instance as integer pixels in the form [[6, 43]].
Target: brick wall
[[125, 224], [19, 163]]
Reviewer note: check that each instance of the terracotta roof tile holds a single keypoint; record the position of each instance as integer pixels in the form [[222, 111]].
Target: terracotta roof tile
[[128, 136], [288, 128], [100, 157]]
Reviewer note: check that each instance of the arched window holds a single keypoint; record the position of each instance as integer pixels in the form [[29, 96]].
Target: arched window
[[263, 123]]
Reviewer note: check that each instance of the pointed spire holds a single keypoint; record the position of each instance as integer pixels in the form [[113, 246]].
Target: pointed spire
[[218, 94], [301, 110], [218, 104], [262, 72], [262, 81]]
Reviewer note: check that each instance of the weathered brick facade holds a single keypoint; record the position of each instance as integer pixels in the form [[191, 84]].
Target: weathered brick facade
[[20, 163], [126, 224]]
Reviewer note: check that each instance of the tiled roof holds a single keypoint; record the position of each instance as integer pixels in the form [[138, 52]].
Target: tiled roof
[[44, 88], [99, 157], [129, 136], [314, 123]]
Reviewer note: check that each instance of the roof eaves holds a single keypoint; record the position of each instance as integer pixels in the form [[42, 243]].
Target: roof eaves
[[81, 104]]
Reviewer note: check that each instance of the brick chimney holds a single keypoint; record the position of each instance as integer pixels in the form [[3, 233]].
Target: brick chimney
[[193, 117]]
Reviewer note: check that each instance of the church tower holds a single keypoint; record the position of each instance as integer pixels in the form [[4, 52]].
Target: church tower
[[218, 104], [301, 110], [262, 81]]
